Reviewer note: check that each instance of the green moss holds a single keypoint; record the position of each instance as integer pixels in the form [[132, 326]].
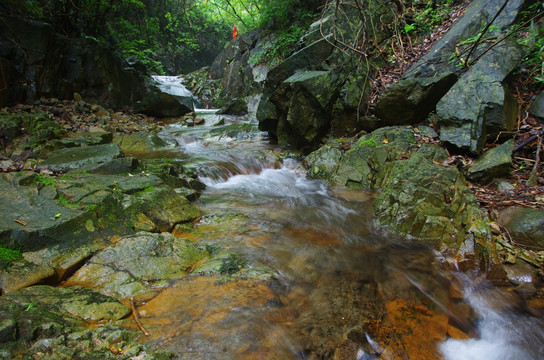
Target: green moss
[[65, 202], [146, 190], [9, 255], [45, 180]]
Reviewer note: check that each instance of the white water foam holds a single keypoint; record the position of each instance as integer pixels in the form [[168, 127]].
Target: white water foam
[[505, 333], [288, 186]]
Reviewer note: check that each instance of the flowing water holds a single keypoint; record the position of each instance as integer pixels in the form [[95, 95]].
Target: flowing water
[[321, 281]]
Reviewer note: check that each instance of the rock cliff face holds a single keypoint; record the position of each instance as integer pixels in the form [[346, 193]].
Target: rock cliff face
[[320, 88], [38, 62]]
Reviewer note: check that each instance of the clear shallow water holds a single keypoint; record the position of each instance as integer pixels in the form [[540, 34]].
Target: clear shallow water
[[340, 289]]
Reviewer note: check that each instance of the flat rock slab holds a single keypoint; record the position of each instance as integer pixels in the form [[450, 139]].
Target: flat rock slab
[[36, 208], [63, 160], [139, 265]]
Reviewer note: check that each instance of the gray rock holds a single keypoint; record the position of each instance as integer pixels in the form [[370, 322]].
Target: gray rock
[[235, 107], [63, 160], [537, 107], [493, 164], [161, 104], [8, 330], [115, 167], [479, 104], [409, 101], [84, 139], [526, 226], [479, 12]]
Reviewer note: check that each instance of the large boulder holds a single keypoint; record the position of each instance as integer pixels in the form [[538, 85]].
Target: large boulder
[[56, 66], [360, 165], [304, 120], [320, 75], [479, 104], [424, 200], [418, 197]]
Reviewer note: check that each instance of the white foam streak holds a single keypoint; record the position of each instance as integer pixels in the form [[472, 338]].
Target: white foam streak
[[505, 334], [290, 187]]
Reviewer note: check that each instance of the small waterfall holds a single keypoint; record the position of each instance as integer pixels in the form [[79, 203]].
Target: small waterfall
[[506, 333]]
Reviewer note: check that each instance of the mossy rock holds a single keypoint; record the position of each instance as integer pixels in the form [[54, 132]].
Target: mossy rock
[[139, 265]]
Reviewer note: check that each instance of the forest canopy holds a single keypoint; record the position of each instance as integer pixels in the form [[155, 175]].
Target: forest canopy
[[168, 36]]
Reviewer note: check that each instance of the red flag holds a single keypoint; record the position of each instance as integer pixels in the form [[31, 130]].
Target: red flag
[[234, 32]]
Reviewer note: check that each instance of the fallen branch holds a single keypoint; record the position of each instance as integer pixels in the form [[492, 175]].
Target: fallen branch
[[136, 317], [532, 181], [18, 221], [529, 140]]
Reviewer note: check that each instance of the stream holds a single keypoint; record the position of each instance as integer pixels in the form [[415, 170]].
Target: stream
[[327, 284]]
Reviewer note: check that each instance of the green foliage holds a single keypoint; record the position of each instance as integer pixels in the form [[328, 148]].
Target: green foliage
[[65, 202], [533, 40], [30, 7], [426, 19]]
